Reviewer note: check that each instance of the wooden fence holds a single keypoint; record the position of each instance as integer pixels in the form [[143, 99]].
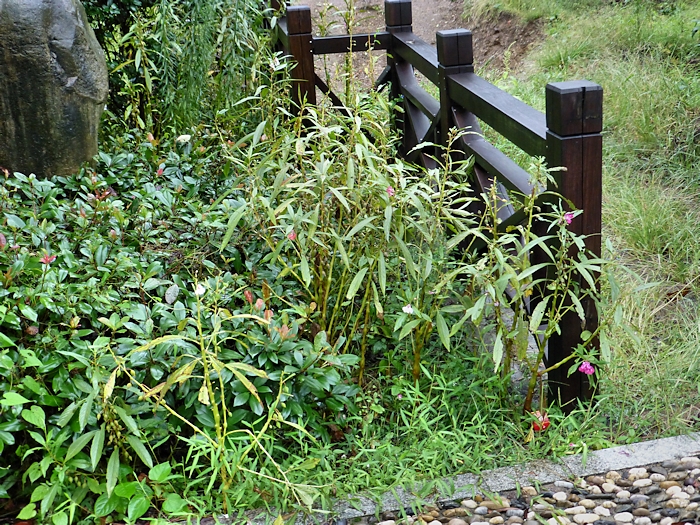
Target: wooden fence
[[568, 135]]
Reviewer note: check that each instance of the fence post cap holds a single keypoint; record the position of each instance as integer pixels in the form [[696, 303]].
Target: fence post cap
[[298, 19], [454, 47], [574, 107], [398, 12]]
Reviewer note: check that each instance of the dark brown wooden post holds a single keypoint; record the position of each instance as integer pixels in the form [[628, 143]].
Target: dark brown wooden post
[[455, 55], [301, 50], [574, 141], [398, 17]]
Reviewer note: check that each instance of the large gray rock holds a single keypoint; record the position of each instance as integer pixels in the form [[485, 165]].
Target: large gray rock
[[53, 86]]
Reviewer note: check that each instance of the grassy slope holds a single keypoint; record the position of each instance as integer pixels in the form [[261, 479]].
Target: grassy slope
[[647, 59]]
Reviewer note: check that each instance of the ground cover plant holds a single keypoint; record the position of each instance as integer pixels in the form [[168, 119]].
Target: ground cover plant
[[237, 307]]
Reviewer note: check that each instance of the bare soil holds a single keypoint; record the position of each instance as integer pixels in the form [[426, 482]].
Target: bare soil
[[498, 41]]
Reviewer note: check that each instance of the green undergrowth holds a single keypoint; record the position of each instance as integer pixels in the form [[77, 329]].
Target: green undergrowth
[[646, 55], [236, 306]]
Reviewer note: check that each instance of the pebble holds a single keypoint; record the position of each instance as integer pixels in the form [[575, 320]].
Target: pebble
[[666, 484], [513, 520], [608, 504], [640, 472], [497, 520], [453, 513], [482, 511], [666, 521], [644, 482], [595, 489], [587, 503], [558, 520], [585, 518], [640, 512], [560, 496], [678, 476], [578, 509], [623, 494], [656, 477], [623, 517], [529, 491], [690, 462], [519, 513], [614, 475], [456, 521], [642, 521], [480, 523], [595, 480], [602, 511], [387, 522], [434, 522], [493, 505], [469, 504], [564, 485], [692, 506], [610, 487], [675, 489]]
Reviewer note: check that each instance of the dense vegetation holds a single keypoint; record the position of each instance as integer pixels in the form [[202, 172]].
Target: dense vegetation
[[230, 311]]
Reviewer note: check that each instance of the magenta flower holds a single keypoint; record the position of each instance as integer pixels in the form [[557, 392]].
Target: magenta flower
[[568, 217], [586, 368], [390, 191], [292, 235]]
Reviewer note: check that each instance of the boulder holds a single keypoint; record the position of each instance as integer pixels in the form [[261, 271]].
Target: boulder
[[53, 86]]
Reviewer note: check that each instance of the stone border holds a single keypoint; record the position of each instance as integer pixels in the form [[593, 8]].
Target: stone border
[[509, 478]]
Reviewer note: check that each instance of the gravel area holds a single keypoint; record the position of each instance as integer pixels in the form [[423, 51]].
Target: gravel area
[[664, 494]]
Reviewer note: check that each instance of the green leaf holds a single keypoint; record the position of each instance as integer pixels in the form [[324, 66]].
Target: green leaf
[[231, 226], [68, 413], [174, 503], [85, 410], [355, 284], [381, 263], [28, 312], [35, 416], [6, 342], [126, 490], [160, 472], [59, 518], [305, 273], [11, 399], [360, 225], [140, 450], [137, 507], [129, 421], [408, 327], [497, 353], [78, 445], [97, 446], [28, 512], [105, 505], [48, 499], [112, 471], [538, 314], [406, 255], [14, 222], [443, 331]]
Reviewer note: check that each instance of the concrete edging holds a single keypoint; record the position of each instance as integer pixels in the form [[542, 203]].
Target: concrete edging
[[509, 478]]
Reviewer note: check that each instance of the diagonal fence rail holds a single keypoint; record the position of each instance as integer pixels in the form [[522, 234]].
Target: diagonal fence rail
[[567, 135]]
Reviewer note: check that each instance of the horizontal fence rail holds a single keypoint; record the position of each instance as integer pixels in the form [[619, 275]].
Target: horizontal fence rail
[[567, 135]]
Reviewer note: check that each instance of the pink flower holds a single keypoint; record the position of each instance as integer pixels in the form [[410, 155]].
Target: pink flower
[[408, 309], [586, 368], [390, 191], [248, 296], [268, 315], [47, 259], [160, 171], [3, 241], [259, 304], [292, 235], [568, 217]]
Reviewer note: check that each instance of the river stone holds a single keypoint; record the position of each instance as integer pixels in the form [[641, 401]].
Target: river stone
[[642, 521], [623, 494], [469, 503], [587, 503], [585, 518], [602, 511], [623, 517], [644, 482], [579, 509], [456, 521], [678, 475], [53, 87], [452, 513]]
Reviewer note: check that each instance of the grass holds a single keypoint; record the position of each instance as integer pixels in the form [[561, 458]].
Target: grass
[[645, 55]]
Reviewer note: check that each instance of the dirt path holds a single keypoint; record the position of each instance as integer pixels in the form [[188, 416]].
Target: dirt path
[[494, 39]]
